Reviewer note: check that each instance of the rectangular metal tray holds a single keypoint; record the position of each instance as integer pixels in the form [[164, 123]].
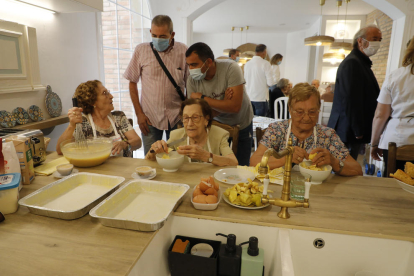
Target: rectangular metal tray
[[142, 205], [71, 197]]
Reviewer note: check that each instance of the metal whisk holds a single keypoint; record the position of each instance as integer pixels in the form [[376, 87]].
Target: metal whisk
[[80, 140]]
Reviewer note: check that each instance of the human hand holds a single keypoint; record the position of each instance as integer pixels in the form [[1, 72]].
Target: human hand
[[323, 157], [118, 146], [299, 154], [376, 153], [143, 123], [228, 94], [159, 147], [194, 152], [75, 116], [196, 95]]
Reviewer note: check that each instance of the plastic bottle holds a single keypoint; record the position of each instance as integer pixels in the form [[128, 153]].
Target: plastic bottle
[[252, 258], [229, 259]]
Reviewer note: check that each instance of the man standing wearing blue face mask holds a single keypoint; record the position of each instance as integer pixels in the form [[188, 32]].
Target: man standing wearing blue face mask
[[158, 108], [220, 83], [356, 92], [234, 54]]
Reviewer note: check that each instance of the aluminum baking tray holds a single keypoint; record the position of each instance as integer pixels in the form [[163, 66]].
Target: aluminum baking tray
[[142, 205], [71, 197]]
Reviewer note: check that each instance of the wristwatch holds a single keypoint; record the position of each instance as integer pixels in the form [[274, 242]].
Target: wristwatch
[[202, 97], [210, 159], [341, 166]]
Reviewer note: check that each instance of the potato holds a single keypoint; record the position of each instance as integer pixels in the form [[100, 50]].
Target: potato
[[204, 186], [200, 199], [211, 191], [211, 199], [197, 192]]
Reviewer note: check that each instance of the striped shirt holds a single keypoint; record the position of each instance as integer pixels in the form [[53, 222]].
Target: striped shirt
[[159, 100]]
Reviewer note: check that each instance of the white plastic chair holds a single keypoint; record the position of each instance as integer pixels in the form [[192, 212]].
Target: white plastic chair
[[281, 108], [326, 108]]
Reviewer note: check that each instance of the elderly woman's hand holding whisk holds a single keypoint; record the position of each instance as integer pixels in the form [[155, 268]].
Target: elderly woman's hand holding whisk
[[75, 116]]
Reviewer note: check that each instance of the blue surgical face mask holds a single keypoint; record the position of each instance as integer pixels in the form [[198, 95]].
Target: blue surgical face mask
[[279, 62], [237, 59], [196, 73], [160, 44]]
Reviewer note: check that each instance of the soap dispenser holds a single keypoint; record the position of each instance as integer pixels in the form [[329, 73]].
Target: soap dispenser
[[229, 259], [252, 258]]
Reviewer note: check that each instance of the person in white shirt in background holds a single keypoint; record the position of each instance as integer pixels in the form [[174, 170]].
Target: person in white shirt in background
[[316, 83], [234, 55], [275, 61], [258, 76], [395, 100]]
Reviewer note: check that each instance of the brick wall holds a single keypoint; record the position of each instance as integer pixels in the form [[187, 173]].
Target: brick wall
[[379, 61]]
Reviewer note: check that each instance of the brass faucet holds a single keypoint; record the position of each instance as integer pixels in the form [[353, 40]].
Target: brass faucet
[[285, 202]]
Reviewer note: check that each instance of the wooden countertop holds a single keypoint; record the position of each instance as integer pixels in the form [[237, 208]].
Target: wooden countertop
[[36, 245]]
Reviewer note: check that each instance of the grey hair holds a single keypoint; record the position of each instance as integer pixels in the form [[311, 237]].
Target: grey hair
[[163, 20], [282, 83], [317, 81], [362, 33]]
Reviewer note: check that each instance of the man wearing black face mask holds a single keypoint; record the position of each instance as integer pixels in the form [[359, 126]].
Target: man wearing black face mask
[[356, 92], [158, 109]]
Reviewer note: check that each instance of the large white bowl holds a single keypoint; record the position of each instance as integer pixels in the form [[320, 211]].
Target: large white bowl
[[99, 149], [172, 164], [317, 176], [233, 176], [406, 187]]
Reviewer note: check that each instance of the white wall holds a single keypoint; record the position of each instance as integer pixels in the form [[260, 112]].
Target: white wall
[[68, 55]]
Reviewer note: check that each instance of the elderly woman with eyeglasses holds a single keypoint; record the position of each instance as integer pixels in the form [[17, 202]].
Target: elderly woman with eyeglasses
[[98, 120], [308, 137], [204, 142]]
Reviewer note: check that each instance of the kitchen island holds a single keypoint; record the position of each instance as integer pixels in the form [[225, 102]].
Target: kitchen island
[[37, 245]]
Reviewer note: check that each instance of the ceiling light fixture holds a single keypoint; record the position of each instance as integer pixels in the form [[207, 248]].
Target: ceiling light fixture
[[342, 47], [333, 58], [319, 40], [39, 8]]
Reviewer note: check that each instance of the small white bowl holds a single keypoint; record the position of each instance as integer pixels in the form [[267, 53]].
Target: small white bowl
[[173, 163], [406, 187], [64, 169], [206, 206], [144, 171], [317, 176]]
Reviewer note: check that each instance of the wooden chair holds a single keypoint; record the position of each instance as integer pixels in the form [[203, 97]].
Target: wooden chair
[[281, 108], [234, 133], [403, 153], [259, 134]]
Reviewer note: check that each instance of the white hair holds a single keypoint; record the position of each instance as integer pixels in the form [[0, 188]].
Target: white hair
[[362, 33]]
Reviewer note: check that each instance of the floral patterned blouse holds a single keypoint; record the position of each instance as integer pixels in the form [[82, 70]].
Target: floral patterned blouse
[[122, 125], [327, 138]]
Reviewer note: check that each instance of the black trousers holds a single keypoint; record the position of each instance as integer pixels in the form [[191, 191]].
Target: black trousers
[[354, 149]]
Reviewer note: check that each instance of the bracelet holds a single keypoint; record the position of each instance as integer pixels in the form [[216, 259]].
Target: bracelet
[[374, 146]]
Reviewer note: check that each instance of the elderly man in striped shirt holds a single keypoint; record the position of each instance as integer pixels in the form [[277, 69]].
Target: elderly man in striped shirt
[[158, 109]]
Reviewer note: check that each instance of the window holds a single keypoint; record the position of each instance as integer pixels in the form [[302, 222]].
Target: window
[[125, 24]]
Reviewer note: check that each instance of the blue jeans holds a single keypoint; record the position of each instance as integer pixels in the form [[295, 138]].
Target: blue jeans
[[260, 108], [244, 148], [154, 135]]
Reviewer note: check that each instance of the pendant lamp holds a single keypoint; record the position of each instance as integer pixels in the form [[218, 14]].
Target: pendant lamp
[[333, 58], [319, 40], [341, 47]]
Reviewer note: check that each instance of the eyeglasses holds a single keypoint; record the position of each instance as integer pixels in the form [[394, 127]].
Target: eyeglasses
[[301, 113], [194, 118]]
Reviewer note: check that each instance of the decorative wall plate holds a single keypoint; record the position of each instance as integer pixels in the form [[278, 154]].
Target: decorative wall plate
[[7, 119], [35, 113], [53, 103], [21, 115]]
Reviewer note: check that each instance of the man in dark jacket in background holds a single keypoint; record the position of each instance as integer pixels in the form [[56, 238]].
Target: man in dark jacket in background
[[356, 92]]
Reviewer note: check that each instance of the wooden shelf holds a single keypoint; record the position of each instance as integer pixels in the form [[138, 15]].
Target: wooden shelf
[[45, 123]]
